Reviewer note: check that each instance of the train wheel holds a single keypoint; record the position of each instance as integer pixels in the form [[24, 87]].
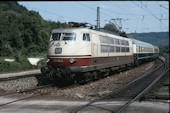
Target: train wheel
[[73, 79], [95, 75], [107, 72], [88, 77], [136, 62], [79, 78]]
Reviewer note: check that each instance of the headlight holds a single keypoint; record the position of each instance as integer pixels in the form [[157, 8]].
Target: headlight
[[71, 61]]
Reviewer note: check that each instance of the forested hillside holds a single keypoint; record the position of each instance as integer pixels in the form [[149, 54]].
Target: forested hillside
[[25, 33], [160, 39], [22, 31]]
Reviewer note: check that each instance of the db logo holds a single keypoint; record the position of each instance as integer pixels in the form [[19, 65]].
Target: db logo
[[58, 44]]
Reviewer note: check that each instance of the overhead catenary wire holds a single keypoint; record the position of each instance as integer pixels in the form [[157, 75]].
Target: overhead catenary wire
[[104, 13], [54, 14], [147, 10], [92, 8], [118, 13], [164, 7]]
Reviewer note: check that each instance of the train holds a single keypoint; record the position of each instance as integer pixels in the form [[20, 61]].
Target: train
[[79, 53]]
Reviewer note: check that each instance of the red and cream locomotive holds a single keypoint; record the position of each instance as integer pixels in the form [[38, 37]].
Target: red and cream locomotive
[[76, 50]]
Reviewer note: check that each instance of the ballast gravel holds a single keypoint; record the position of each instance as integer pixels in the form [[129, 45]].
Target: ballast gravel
[[19, 84], [89, 91], [96, 89], [4, 75]]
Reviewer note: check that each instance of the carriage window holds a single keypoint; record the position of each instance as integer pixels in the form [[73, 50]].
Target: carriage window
[[126, 43], [122, 42], [103, 39], [69, 36], [110, 40], [86, 37], [104, 48], [127, 49], [112, 49], [123, 49], [56, 36], [117, 41], [117, 49]]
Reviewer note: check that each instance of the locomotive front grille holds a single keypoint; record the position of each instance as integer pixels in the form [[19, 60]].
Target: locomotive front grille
[[58, 50]]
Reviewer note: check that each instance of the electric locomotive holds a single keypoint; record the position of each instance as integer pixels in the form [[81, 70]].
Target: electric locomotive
[[80, 53]]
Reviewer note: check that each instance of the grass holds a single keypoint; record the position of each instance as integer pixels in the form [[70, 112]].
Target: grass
[[21, 63]]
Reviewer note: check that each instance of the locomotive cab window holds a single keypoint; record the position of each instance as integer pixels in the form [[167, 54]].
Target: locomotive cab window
[[86, 37], [69, 36], [56, 36]]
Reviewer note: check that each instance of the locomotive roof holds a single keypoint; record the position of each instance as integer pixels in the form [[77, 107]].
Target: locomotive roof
[[71, 28], [85, 29]]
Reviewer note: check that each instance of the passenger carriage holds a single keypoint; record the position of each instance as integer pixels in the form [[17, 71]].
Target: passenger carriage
[[143, 51]]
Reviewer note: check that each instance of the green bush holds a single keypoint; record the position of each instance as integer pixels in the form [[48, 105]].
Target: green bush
[[19, 64]]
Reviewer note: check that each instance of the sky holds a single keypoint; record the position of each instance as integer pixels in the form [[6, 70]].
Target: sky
[[130, 16]]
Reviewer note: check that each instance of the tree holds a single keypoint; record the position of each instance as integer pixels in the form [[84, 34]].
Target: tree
[[111, 27], [23, 30]]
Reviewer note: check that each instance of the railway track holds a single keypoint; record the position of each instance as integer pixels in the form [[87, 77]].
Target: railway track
[[19, 77], [24, 91], [30, 92], [31, 96], [130, 92], [160, 92], [19, 82]]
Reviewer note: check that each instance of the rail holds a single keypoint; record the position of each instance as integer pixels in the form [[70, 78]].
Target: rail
[[19, 77], [24, 98], [133, 90], [143, 92]]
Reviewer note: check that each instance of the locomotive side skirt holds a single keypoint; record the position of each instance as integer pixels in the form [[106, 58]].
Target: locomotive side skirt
[[89, 63]]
